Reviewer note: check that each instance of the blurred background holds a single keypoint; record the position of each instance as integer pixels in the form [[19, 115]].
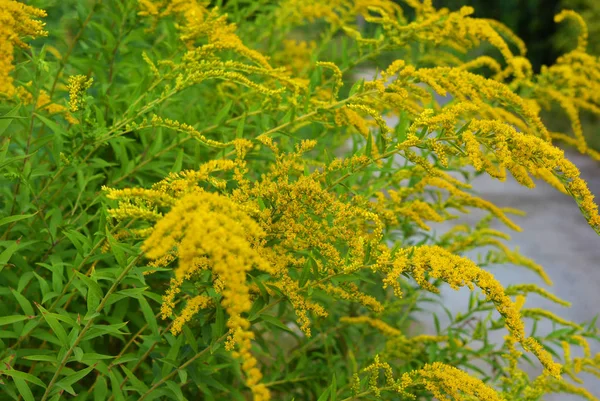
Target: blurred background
[[533, 21]]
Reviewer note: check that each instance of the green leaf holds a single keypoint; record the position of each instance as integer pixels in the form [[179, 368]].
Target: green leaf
[[276, 322], [191, 340], [54, 324], [133, 292], [101, 329], [560, 333], [222, 113], [43, 358], [176, 390], [290, 116], [125, 359], [16, 374], [44, 287], [6, 119], [325, 395], [75, 377], [115, 384], [369, 147], [57, 129], [65, 387], [116, 249], [8, 252], [333, 389], [239, 131], [436, 322], [10, 160], [178, 161], [91, 356], [12, 219], [305, 275], [94, 293], [78, 353], [23, 303], [172, 354], [463, 129], [4, 320], [138, 385], [357, 87], [80, 241], [24, 389], [101, 389], [148, 315]]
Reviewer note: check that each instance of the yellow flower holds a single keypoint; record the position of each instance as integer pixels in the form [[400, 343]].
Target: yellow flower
[[582, 40], [16, 20], [445, 381], [191, 308], [458, 272], [380, 325], [78, 85], [207, 224]]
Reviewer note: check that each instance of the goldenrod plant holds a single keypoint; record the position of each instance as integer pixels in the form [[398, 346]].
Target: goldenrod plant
[[589, 11], [203, 201]]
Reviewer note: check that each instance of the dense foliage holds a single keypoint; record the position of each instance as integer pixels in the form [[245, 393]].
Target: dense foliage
[[203, 201]]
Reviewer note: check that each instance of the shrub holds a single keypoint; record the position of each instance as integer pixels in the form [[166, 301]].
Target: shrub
[[201, 201]]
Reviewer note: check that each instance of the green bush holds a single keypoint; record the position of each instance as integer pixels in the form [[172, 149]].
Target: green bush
[[203, 201]]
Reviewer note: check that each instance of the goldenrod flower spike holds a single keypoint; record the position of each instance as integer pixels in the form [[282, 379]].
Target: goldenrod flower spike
[[208, 224], [582, 40], [533, 153], [458, 271], [198, 21], [191, 308], [337, 75], [441, 380], [78, 85], [377, 324], [508, 34], [444, 381], [16, 20]]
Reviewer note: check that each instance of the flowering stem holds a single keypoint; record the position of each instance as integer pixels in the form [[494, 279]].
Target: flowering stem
[[63, 61], [298, 379]]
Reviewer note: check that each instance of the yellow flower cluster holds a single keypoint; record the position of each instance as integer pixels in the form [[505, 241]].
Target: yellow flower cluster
[[16, 20], [397, 344], [530, 153], [295, 55], [441, 380], [44, 103], [377, 324], [353, 293], [518, 386], [78, 85], [525, 289], [211, 225], [197, 21], [191, 308], [308, 223], [426, 262]]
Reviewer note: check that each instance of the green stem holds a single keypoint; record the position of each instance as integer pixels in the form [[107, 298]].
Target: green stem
[[88, 325]]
